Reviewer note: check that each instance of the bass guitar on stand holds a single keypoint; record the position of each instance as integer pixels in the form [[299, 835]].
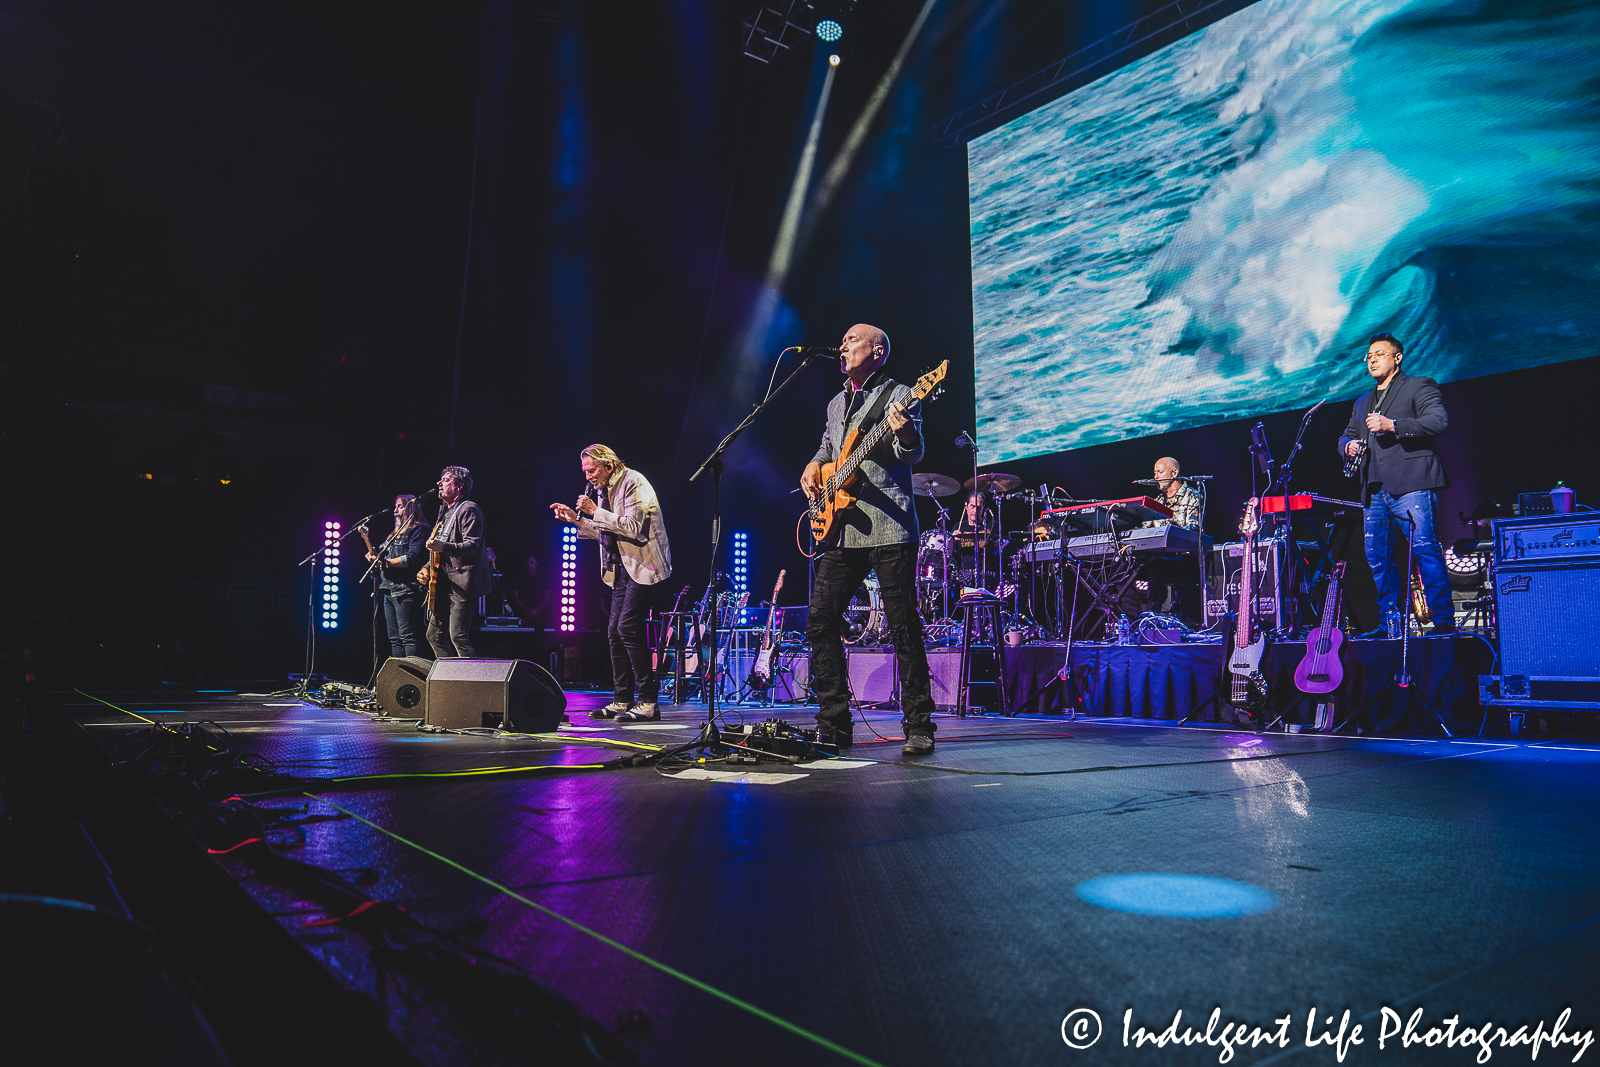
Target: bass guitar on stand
[[1247, 686]]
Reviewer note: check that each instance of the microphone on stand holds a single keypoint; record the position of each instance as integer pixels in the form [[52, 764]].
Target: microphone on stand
[[1145, 481], [964, 441], [813, 351]]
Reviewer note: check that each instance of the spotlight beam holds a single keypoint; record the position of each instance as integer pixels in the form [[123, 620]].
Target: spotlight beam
[[828, 188], [783, 247]]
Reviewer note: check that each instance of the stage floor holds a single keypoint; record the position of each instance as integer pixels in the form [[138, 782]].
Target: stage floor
[[940, 912]]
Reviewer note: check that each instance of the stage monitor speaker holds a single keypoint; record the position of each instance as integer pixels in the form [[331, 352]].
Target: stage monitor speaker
[[945, 671], [873, 679], [514, 693], [402, 688]]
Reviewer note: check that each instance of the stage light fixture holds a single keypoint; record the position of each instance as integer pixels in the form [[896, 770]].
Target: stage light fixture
[[330, 574], [741, 562], [833, 60], [569, 580], [830, 31]]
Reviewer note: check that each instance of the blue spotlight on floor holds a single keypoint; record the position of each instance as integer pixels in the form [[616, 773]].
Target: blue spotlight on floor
[[829, 30], [1177, 896]]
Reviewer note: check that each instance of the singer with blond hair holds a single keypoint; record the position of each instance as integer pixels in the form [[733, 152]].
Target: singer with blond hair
[[620, 510]]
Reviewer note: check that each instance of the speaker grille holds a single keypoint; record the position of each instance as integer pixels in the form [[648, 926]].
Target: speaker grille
[[1549, 620]]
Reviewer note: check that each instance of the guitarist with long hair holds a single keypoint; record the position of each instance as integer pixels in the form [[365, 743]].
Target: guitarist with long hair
[[877, 532], [458, 571]]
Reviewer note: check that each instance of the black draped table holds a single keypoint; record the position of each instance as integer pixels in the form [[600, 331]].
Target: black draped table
[[1174, 681]]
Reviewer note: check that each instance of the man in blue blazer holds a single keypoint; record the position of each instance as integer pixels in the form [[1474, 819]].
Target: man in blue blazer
[[1396, 423]]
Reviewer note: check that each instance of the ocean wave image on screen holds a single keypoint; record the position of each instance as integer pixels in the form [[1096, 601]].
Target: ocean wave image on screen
[[1214, 231]]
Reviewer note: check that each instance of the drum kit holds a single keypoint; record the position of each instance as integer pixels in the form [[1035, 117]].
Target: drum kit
[[958, 557]]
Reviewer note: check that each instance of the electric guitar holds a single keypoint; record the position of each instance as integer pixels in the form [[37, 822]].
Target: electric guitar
[[1247, 689], [1322, 671], [761, 673], [435, 597], [826, 507]]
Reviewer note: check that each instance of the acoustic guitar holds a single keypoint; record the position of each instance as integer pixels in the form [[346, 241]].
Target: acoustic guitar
[[827, 507], [761, 673], [1247, 690], [659, 659], [1322, 671]]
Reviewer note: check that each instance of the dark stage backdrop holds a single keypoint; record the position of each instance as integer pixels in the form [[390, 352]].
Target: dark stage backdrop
[[234, 246]]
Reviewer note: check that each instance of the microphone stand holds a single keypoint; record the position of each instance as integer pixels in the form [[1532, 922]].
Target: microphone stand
[[710, 740], [299, 692]]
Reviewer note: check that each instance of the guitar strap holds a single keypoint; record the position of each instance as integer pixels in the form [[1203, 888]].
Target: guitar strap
[[875, 412]]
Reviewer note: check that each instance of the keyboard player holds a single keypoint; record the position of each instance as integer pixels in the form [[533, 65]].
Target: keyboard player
[[1168, 584], [1177, 494]]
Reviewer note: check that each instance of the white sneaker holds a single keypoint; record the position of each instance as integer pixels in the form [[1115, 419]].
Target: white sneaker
[[610, 711]]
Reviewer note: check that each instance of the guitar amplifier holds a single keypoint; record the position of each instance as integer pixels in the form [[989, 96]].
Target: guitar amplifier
[[1547, 600], [1222, 582]]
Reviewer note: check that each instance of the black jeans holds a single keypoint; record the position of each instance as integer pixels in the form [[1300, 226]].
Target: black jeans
[[402, 617], [630, 656], [461, 613], [839, 572]]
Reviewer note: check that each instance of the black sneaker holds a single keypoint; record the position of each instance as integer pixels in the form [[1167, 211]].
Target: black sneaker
[[917, 745]]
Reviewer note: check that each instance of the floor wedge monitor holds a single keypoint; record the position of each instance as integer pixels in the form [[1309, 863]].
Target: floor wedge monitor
[[472, 693], [402, 687]]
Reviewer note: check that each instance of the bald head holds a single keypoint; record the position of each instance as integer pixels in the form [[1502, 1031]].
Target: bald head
[[1166, 473], [864, 350]]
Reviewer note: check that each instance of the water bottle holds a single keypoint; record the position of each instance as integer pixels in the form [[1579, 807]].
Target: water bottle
[[1124, 630], [1394, 624]]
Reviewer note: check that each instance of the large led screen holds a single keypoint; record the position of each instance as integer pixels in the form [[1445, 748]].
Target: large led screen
[[1214, 231]]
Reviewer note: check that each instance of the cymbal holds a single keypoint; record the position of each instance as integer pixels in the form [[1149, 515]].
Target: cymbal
[[929, 484], [994, 482]]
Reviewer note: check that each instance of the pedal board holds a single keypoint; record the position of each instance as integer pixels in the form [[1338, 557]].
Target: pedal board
[[775, 737]]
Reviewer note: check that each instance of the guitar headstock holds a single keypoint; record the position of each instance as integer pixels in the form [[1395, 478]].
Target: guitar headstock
[[1251, 522], [929, 381], [779, 587]]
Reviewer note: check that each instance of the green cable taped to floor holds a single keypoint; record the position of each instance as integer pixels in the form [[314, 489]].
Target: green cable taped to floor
[[793, 1028]]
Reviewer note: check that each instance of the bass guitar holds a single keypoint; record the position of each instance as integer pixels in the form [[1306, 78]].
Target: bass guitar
[[761, 673], [1322, 671], [827, 507], [1247, 689]]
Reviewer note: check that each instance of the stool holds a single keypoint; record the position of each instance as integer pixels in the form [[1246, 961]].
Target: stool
[[982, 634]]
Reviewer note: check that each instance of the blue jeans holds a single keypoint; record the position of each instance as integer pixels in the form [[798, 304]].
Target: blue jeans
[[402, 616], [1382, 516]]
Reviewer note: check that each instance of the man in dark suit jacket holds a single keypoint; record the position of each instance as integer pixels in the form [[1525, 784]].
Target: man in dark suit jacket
[[467, 571], [1396, 422]]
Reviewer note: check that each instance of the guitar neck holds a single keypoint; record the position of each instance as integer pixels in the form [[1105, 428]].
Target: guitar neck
[[1246, 595], [859, 453]]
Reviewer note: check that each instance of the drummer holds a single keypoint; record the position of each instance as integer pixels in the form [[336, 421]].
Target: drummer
[[975, 541]]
